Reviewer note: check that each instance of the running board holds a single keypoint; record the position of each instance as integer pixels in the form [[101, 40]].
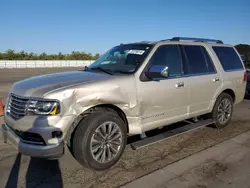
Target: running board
[[166, 135]]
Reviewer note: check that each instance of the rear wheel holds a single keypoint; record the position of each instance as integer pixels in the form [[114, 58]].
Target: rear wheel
[[100, 139], [222, 111]]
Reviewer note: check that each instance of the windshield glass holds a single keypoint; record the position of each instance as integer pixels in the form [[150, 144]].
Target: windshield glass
[[125, 58]]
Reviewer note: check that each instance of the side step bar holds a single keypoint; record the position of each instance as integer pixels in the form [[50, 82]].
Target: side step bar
[[166, 135]]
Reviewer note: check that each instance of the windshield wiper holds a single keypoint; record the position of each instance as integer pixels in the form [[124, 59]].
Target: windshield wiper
[[101, 69], [86, 68]]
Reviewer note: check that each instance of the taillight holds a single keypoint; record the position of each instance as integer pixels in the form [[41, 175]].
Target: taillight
[[245, 77]]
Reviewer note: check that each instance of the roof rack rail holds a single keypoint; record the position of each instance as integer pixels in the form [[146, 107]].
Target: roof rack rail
[[165, 40], [196, 39], [145, 41]]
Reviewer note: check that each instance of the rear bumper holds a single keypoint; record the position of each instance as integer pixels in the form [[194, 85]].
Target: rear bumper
[[43, 151]]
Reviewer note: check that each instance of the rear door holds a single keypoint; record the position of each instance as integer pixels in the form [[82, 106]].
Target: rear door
[[203, 78]]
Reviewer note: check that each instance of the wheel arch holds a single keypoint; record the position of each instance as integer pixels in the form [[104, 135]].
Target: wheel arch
[[72, 128], [228, 91]]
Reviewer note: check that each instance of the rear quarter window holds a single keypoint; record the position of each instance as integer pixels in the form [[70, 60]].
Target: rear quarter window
[[228, 57]]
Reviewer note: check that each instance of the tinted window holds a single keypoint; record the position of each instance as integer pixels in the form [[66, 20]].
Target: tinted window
[[210, 64], [228, 58], [168, 56], [198, 60]]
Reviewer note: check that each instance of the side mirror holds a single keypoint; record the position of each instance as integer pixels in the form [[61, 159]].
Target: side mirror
[[164, 72], [157, 71]]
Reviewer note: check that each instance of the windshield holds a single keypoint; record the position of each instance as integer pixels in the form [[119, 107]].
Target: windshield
[[125, 58]]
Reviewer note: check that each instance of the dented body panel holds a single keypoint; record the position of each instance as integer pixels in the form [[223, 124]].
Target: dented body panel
[[111, 91], [79, 91]]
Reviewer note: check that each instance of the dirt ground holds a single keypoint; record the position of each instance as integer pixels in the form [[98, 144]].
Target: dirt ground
[[22, 171], [225, 165]]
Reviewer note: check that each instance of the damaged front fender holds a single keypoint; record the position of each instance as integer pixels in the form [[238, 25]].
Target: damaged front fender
[[119, 91]]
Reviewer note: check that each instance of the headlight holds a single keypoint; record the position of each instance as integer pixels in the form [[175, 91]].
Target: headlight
[[43, 107]]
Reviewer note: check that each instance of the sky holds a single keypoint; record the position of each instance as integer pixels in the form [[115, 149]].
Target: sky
[[95, 26]]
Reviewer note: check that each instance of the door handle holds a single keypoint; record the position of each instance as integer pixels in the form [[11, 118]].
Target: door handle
[[216, 80], [180, 84]]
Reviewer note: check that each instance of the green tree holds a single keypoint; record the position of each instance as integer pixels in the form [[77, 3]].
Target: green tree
[[75, 55], [43, 56], [244, 49], [60, 56], [10, 54], [97, 55]]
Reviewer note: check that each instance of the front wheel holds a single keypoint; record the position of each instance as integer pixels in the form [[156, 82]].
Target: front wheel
[[100, 139], [222, 111]]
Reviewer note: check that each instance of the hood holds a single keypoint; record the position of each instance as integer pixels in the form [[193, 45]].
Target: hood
[[40, 85]]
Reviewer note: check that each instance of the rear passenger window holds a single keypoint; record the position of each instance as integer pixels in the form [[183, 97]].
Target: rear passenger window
[[228, 58], [198, 60]]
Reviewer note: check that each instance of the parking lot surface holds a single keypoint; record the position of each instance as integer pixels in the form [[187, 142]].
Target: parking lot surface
[[21, 171]]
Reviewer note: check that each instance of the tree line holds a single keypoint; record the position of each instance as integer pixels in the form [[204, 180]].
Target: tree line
[[75, 55], [243, 49]]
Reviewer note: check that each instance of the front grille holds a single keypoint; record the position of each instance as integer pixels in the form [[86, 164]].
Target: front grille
[[16, 108]]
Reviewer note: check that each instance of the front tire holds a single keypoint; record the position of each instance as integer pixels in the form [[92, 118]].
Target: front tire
[[222, 111], [100, 139]]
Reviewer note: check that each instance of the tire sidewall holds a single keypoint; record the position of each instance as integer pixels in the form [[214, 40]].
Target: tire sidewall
[[85, 133], [215, 110]]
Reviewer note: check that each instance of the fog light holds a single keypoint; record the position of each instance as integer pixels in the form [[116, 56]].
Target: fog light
[[57, 134], [53, 141]]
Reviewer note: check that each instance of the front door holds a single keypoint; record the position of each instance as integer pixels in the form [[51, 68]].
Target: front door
[[164, 100]]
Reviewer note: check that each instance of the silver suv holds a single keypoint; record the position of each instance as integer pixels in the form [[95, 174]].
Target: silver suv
[[131, 89]]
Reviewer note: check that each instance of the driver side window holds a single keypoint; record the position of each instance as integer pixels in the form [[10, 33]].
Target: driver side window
[[168, 56]]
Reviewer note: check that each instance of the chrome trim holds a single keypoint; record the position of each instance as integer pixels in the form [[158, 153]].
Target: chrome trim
[[16, 107], [12, 106], [19, 113], [180, 84], [17, 100], [199, 74], [184, 76], [164, 72], [216, 80], [31, 142]]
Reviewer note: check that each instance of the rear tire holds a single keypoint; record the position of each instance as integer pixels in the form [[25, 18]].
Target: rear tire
[[222, 111], [100, 139]]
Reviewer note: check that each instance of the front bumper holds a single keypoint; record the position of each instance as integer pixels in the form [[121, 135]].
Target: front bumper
[[43, 151]]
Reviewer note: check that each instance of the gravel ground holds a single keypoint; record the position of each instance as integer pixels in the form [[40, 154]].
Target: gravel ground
[[22, 171]]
